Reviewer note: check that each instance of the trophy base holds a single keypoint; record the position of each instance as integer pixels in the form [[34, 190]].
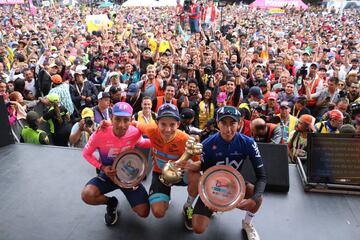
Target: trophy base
[[166, 183]]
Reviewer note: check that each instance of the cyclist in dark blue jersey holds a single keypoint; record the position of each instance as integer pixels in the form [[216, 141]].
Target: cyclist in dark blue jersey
[[228, 147]]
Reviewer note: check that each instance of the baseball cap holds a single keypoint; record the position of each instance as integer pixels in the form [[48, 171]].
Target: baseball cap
[[102, 95], [221, 97], [52, 65], [53, 97], [147, 49], [308, 120], [122, 109], [132, 89], [314, 64], [113, 74], [168, 110], [187, 113], [336, 114], [87, 112], [272, 96], [228, 111], [256, 92], [56, 79], [285, 104], [80, 69]]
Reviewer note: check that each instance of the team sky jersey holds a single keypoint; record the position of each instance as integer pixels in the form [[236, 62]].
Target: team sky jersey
[[111, 146], [216, 151], [162, 151]]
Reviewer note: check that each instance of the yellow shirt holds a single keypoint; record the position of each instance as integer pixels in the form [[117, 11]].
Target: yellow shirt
[[164, 45]]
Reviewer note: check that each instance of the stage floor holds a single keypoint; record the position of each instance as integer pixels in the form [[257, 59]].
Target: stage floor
[[40, 199]]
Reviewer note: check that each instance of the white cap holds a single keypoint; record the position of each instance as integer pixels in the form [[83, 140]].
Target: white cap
[[113, 74], [80, 69]]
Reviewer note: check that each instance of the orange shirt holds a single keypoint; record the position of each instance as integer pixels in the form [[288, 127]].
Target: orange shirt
[[162, 151]]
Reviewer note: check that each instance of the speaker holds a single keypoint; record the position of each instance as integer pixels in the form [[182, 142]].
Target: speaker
[[275, 158], [5, 130]]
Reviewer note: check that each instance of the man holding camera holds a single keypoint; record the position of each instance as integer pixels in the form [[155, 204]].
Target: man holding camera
[[82, 130]]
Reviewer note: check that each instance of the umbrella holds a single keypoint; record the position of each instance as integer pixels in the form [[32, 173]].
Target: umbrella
[[105, 5]]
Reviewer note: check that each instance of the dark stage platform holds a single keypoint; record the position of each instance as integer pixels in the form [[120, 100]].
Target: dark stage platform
[[40, 199]]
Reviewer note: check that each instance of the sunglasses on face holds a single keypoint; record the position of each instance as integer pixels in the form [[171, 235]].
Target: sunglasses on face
[[228, 111], [168, 107]]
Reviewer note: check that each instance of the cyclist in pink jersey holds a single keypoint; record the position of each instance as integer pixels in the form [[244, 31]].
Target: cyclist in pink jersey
[[111, 142]]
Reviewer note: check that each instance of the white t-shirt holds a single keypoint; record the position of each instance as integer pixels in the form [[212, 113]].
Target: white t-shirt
[[31, 86]]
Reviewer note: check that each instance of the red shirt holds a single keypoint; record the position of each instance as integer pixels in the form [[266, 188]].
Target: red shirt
[[246, 128]]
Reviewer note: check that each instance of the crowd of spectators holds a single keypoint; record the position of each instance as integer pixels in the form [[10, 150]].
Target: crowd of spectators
[[289, 74]]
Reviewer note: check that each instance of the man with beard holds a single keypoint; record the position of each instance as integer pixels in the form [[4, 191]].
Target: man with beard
[[150, 85], [354, 93], [143, 58], [30, 83], [298, 138], [194, 100], [169, 98]]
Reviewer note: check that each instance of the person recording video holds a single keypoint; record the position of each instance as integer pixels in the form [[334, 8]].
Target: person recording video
[[82, 130]]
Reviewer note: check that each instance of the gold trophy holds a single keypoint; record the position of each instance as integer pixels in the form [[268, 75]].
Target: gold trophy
[[172, 174]]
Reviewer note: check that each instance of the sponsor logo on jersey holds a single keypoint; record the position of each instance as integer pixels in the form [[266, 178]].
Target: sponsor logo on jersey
[[233, 163], [256, 149]]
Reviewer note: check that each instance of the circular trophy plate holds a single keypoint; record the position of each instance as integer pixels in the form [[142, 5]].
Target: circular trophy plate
[[131, 167], [221, 188]]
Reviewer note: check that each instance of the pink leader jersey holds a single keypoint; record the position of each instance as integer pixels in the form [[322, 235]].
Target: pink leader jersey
[[111, 146]]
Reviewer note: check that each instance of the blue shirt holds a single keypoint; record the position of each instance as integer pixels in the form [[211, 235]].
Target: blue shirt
[[216, 151]]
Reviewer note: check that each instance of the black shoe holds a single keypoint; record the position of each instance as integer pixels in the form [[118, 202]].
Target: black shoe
[[188, 212], [111, 215]]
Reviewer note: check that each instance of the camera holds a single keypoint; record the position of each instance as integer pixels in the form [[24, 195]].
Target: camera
[[303, 71], [255, 106], [208, 70], [354, 109], [88, 122], [342, 94], [301, 75]]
